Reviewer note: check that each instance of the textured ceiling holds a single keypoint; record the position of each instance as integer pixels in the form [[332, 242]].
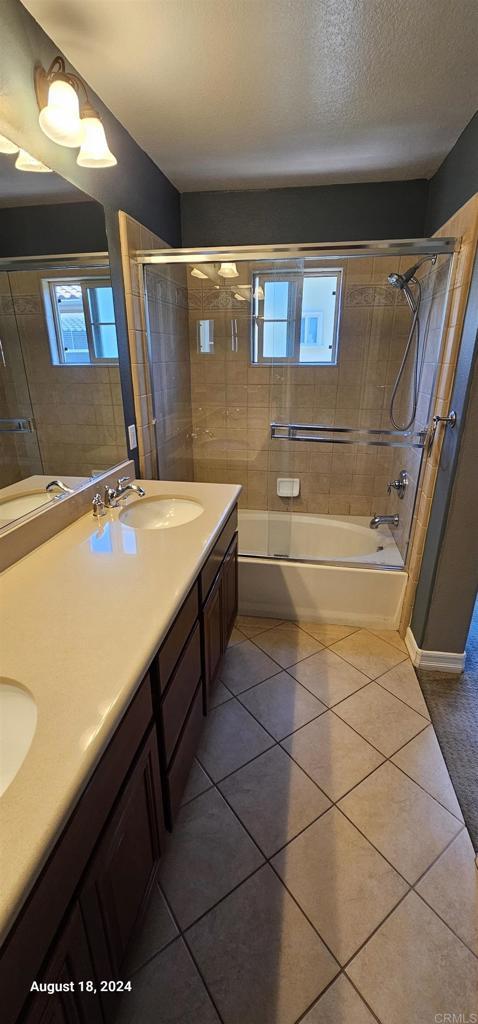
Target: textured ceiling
[[262, 93]]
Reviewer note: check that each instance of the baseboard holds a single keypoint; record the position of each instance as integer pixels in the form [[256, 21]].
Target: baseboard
[[441, 661]]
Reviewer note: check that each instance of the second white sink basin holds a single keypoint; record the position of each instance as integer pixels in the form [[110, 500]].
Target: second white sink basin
[[18, 722], [160, 513], [25, 501]]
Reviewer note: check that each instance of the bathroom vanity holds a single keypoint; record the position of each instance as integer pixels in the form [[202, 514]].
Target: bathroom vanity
[[80, 868]]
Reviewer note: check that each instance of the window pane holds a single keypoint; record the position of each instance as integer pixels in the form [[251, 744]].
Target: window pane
[[319, 296], [274, 340], [105, 341], [205, 336], [71, 323], [100, 299], [276, 300]]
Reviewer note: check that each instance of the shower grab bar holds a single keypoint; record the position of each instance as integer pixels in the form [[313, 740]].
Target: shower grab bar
[[17, 425], [299, 432]]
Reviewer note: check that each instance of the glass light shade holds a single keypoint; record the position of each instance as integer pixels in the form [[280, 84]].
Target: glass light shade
[[242, 298], [195, 272], [60, 119], [259, 293], [228, 270], [6, 146], [94, 150], [26, 162]]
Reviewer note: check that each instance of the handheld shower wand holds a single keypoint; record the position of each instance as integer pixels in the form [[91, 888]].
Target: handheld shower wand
[[403, 281]]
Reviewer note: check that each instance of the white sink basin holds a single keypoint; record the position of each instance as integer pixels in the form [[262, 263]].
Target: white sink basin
[[18, 721], [160, 513], [26, 501]]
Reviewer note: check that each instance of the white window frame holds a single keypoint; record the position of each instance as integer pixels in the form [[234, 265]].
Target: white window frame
[[53, 323], [294, 316]]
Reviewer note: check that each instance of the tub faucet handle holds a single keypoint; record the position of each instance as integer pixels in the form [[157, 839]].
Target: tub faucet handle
[[399, 485]]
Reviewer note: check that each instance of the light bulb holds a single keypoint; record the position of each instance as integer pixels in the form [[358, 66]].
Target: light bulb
[[6, 146], [26, 162], [60, 119], [228, 270], [195, 272], [94, 150]]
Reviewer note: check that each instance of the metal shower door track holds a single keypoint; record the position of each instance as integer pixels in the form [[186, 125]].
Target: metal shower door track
[[319, 250]]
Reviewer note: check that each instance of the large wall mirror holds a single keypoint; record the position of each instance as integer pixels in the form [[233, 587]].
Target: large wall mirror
[[61, 410]]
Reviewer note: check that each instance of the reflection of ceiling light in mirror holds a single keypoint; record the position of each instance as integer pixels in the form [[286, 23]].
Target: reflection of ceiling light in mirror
[[60, 119], [25, 162], [259, 292], [228, 270], [94, 150], [6, 146], [237, 295], [195, 272]]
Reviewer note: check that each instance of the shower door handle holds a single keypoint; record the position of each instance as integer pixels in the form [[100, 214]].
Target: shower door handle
[[449, 421]]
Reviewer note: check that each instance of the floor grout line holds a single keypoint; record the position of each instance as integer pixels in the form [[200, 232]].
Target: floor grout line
[[267, 859]]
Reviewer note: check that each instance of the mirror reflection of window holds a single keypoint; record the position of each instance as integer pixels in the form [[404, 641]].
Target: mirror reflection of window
[[205, 337], [80, 318]]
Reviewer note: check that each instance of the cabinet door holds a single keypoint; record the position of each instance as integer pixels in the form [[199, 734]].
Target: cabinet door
[[69, 965], [123, 869], [229, 591], [213, 633]]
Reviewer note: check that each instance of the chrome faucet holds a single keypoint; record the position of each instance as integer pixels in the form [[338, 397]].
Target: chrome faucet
[[114, 494], [61, 487], [377, 521]]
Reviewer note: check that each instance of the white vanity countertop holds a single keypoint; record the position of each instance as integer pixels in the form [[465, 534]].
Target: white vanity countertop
[[80, 620]]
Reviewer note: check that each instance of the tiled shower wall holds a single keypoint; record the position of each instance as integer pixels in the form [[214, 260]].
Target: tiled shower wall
[[235, 402], [77, 410]]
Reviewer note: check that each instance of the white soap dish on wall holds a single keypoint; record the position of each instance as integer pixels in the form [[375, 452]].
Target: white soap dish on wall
[[288, 487]]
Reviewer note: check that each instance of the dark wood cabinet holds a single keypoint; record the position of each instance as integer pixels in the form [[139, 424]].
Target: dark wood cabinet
[[123, 869], [100, 872], [229, 591], [69, 965], [212, 618], [218, 616]]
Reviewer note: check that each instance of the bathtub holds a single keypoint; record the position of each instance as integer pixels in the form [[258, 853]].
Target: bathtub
[[322, 568]]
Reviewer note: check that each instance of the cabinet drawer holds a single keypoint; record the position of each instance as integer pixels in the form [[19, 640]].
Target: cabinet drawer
[[179, 694], [177, 636], [184, 756], [218, 552]]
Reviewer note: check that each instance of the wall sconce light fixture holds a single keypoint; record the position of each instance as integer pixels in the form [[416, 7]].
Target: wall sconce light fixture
[[64, 122], [228, 270], [6, 146], [26, 162], [195, 272]]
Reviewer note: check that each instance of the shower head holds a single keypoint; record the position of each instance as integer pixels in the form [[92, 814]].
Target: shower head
[[401, 280]]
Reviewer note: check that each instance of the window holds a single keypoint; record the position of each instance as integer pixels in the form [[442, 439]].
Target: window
[[205, 337], [296, 317], [81, 321]]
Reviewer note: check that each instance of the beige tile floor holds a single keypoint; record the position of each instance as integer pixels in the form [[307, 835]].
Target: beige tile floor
[[320, 870]]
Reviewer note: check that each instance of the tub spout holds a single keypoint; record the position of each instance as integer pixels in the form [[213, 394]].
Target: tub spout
[[377, 521]]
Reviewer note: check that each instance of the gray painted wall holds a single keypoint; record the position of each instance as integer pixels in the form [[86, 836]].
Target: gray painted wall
[[456, 180], [52, 228], [136, 185], [394, 209]]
